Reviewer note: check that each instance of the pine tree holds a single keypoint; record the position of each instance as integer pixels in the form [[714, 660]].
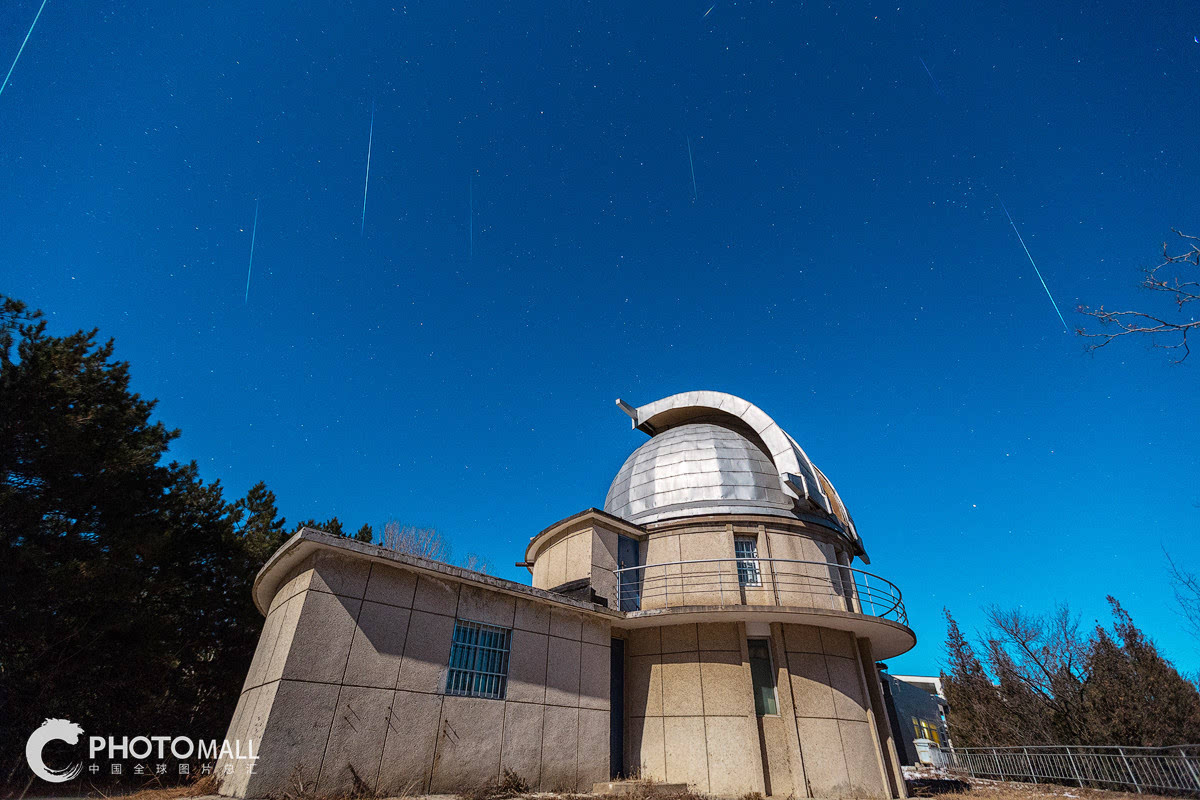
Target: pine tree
[[332, 525], [113, 563], [1057, 685], [972, 697], [1021, 714], [262, 530], [365, 534], [1135, 696]]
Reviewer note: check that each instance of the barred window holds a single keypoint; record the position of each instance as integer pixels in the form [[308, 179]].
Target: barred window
[[479, 660], [746, 550]]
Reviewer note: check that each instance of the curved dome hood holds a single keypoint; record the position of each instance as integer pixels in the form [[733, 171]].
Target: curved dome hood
[[712, 452]]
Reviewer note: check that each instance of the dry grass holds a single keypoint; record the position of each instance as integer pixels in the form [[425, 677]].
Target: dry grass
[[155, 790], [302, 789], [648, 789], [509, 785], [512, 786], [1004, 790]]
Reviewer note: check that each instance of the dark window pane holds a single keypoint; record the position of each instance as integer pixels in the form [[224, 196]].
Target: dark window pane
[[762, 674]]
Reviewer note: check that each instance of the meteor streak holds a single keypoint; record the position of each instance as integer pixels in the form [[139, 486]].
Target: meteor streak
[[936, 88], [22, 48], [471, 216], [1035, 266], [253, 234], [370, 140], [692, 167]]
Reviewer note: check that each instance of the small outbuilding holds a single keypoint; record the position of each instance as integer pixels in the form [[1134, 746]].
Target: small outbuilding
[[917, 712], [707, 626]]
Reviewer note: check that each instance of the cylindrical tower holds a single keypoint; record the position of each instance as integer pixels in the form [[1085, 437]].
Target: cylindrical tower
[[749, 640]]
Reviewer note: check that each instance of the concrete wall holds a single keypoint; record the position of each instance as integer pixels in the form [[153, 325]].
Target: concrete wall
[[584, 549], [690, 714], [587, 549], [346, 689], [839, 745], [716, 583], [567, 558], [794, 590], [689, 709], [689, 584]]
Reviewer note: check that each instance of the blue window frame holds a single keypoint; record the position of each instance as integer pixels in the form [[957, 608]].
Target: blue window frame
[[746, 550], [479, 660]]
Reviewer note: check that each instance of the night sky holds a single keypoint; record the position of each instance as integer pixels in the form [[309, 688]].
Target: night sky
[[843, 261]]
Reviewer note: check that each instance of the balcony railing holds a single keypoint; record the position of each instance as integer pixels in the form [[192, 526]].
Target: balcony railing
[[1160, 770], [758, 582]]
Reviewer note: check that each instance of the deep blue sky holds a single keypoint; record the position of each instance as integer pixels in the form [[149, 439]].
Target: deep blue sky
[[845, 263]]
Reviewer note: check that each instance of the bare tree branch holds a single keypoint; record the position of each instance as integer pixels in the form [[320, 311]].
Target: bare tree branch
[[1117, 324], [477, 563], [414, 541], [1042, 653], [428, 543], [1187, 594]]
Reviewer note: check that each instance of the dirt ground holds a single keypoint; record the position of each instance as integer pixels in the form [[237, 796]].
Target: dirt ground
[[979, 789], [970, 789]]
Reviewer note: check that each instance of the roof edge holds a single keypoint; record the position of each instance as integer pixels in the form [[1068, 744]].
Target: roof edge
[[536, 541], [307, 541]]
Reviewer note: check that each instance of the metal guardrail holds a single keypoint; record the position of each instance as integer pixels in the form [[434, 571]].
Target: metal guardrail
[[759, 582], [1163, 770]]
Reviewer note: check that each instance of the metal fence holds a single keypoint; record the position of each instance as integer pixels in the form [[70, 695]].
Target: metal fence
[[1163, 770], [758, 582]]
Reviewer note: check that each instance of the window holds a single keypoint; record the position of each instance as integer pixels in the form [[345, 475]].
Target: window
[[762, 674], [923, 729], [479, 660], [629, 579], [746, 550]]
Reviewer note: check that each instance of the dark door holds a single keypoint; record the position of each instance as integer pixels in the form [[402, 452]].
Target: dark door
[[616, 709], [630, 586]]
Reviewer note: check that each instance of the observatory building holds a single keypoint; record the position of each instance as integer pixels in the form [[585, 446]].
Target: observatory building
[[706, 627]]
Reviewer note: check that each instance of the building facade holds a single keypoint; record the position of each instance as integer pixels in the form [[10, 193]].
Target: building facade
[[917, 711], [705, 627]]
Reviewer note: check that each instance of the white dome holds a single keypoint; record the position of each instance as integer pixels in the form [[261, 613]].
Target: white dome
[[696, 469], [714, 453]]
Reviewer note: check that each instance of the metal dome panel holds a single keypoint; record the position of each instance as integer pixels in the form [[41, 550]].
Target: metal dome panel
[[694, 469], [733, 458]]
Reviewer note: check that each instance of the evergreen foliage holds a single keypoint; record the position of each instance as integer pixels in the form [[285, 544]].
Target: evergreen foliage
[[1044, 680], [126, 579], [332, 525]]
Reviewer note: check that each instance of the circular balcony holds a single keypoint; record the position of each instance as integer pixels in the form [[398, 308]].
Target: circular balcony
[[767, 589]]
